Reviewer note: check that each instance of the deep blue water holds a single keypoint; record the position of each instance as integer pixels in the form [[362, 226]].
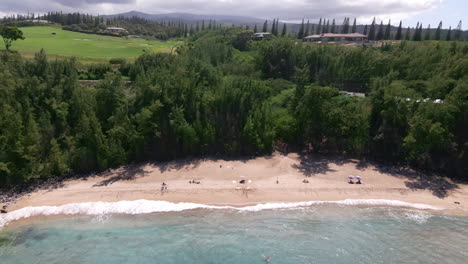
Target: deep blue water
[[317, 234]]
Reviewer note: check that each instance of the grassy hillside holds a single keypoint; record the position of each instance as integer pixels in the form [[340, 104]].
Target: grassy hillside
[[86, 47]]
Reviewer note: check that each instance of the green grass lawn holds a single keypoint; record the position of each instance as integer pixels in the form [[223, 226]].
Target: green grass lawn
[[86, 47]]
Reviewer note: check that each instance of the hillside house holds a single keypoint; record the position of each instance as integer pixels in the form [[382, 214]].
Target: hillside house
[[117, 30], [261, 35], [341, 38], [37, 21]]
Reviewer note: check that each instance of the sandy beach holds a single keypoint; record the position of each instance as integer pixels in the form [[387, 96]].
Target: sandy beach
[[276, 178]]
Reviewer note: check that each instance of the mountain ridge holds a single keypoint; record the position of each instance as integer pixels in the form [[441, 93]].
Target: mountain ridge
[[188, 17]]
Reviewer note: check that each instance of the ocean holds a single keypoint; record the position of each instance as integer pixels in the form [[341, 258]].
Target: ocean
[[315, 232]]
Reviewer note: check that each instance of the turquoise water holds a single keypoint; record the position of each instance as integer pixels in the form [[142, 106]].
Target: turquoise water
[[316, 234]]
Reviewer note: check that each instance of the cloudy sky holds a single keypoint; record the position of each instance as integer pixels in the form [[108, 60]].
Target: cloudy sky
[[411, 11]]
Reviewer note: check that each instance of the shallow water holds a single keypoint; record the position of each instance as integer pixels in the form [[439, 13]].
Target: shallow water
[[317, 234]]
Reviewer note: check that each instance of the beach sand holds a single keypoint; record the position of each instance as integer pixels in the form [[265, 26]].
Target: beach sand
[[219, 183]]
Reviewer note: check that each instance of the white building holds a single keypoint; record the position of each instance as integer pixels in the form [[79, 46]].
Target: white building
[[332, 37]]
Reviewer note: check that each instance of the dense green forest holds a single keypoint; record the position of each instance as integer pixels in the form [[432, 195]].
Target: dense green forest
[[224, 94]]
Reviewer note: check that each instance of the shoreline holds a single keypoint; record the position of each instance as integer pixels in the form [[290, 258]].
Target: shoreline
[[29, 215], [278, 178]]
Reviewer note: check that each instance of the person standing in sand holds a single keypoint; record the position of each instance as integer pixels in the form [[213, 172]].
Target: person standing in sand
[[163, 187]]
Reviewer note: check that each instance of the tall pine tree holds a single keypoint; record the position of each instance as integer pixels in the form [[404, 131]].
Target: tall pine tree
[[345, 26], [449, 34], [284, 30], [438, 32], [319, 27], [372, 30], [408, 34], [420, 32], [333, 27], [399, 32], [273, 26], [277, 27], [458, 32], [427, 35], [388, 30], [327, 26], [300, 34], [307, 29], [353, 29], [416, 35], [380, 32], [265, 26]]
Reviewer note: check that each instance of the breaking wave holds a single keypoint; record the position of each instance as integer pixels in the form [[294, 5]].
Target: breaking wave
[[147, 206]]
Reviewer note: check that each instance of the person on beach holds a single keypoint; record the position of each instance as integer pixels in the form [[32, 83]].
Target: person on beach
[[351, 178], [358, 180]]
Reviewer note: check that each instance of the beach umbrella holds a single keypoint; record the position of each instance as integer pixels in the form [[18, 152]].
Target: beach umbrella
[[350, 177], [358, 177]]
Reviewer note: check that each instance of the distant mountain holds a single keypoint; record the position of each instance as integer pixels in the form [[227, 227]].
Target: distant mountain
[[191, 18]]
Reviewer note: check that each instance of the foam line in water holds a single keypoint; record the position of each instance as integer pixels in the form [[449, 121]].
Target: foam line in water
[[147, 206]]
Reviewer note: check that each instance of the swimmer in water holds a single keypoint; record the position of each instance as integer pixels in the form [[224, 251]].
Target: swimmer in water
[[266, 258]]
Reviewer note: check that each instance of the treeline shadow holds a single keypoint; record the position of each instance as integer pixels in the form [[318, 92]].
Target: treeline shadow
[[126, 173], [193, 163], [440, 186], [133, 171], [9, 195], [310, 164], [177, 164]]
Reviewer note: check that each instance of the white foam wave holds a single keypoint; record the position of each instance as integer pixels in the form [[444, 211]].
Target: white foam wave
[[147, 206], [418, 217]]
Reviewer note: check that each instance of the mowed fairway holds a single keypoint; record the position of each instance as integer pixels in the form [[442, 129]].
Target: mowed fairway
[[86, 47]]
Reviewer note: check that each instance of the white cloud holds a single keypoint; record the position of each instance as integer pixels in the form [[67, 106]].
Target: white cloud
[[364, 10]]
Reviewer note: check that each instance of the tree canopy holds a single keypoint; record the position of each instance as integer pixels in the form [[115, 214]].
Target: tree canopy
[[221, 93], [10, 34]]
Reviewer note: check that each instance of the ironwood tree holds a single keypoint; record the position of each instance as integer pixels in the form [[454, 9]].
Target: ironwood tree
[[10, 34]]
